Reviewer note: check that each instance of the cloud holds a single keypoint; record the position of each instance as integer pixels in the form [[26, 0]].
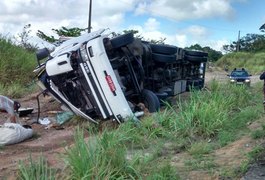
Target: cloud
[[182, 37], [197, 32], [49, 14], [183, 10], [151, 24], [181, 40], [53, 14]]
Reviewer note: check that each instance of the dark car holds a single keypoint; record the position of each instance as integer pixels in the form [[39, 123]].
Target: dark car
[[240, 76]]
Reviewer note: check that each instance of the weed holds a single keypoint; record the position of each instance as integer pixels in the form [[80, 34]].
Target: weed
[[254, 154], [35, 170], [101, 157], [200, 148], [153, 167], [225, 137], [200, 163], [258, 134], [244, 166], [163, 172]]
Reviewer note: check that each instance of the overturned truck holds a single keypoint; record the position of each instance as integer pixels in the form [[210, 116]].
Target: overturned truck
[[96, 75]]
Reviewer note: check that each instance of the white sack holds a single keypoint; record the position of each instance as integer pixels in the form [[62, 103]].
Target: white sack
[[11, 133]]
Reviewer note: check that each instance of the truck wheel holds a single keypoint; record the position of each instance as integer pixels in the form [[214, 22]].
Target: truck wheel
[[195, 58], [151, 101], [196, 53], [164, 49], [164, 58], [122, 40]]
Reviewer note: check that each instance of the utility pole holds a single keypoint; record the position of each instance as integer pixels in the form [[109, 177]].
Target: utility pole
[[238, 42], [89, 17]]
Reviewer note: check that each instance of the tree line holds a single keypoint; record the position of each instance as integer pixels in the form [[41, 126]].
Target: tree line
[[248, 43]]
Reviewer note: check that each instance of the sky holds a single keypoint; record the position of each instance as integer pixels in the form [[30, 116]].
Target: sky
[[182, 22]]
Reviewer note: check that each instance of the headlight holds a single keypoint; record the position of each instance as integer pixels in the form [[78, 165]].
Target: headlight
[[247, 80], [232, 80]]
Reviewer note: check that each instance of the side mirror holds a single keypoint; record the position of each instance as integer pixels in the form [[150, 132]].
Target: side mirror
[[41, 54], [228, 75]]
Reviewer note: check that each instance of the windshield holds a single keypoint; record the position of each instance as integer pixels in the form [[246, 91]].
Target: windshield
[[239, 74]]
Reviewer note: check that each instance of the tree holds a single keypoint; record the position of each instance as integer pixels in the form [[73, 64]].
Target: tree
[[63, 31], [135, 33], [159, 41], [213, 55], [24, 37], [138, 36], [262, 28], [248, 43]]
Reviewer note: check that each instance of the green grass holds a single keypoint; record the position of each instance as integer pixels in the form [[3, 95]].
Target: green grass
[[16, 68], [17, 89], [258, 134], [200, 148], [102, 157], [105, 155], [255, 153], [32, 170], [200, 163], [226, 136], [144, 150], [220, 113], [206, 113], [254, 62]]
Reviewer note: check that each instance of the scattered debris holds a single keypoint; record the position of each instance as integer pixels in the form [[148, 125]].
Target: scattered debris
[[24, 111], [11, 107], [44, 121], [12, 133], [63, 117]]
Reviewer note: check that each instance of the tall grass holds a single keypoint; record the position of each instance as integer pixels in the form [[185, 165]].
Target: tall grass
[[105, 156], [35, 170], [206, 112], [254, 62], [16, 66], [102, 157], [134, 151]]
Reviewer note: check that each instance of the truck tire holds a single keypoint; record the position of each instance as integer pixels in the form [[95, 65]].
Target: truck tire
[[164, 58], [164, 49], [122, 40], [196, 53], [151, 101], [198, 59]]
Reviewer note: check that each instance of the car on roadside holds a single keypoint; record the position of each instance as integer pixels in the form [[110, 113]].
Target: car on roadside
[[240, 77]]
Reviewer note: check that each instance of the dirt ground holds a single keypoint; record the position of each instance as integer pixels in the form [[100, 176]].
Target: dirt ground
[[51, 142], [47, 141]]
